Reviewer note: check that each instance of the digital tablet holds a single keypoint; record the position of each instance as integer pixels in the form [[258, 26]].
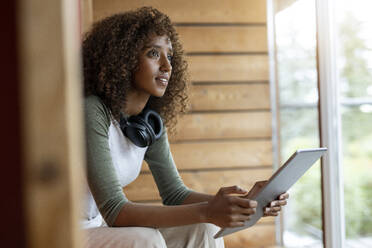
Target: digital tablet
[[279, 183]]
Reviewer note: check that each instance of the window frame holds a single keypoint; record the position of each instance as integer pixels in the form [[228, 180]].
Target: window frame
[[274, 105], [329, 121], [330, 127]]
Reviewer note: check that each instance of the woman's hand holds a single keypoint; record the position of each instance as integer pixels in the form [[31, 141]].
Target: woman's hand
[[227, 210], [275, 206]]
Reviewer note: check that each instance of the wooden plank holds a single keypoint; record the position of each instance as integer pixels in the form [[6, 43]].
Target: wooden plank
[[86, 14], [237, 11], [51, 121], [222, 154], [257, 236], [223, 126], [229, 68], [144, 188], [223, 39], [230, 97]]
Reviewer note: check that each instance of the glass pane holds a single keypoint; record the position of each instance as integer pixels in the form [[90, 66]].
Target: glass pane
[[354, 23], [302, 216], [295, 31], [357, 160]]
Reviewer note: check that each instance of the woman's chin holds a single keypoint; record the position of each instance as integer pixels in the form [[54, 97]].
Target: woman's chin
[[159, 93]]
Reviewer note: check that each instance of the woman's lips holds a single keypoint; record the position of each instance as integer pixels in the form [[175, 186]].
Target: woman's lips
[[162, 81]]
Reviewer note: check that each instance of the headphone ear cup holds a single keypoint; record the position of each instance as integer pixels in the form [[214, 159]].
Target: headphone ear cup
[[137, 133], [143, 129], [155, 122]]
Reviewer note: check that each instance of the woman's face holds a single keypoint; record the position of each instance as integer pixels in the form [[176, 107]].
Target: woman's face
[[154, 68]]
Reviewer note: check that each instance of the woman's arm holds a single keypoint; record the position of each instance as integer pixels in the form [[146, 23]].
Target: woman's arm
[[174, 192], [223, 209], [137, 214], [196, 197]]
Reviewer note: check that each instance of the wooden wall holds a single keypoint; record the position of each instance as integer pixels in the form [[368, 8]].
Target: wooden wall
[[226, 138]]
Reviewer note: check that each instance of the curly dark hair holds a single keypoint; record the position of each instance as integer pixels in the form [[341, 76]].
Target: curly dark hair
[[111, 52]]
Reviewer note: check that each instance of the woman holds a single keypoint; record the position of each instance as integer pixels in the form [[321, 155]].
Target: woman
[[134, 65]]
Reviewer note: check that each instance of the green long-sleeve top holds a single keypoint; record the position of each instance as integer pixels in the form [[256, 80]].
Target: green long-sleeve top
[[113, 162]]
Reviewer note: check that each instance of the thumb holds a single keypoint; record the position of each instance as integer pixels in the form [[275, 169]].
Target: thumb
[[232, 190]]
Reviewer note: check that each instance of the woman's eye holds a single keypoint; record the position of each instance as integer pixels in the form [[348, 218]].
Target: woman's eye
[[153, 53], [170, 57]]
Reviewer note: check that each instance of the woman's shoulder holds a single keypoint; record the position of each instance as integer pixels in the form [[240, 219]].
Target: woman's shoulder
[[94, 108], [93, 101]]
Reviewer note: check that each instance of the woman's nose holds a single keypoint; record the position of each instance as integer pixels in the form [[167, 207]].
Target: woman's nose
[[165, 65]]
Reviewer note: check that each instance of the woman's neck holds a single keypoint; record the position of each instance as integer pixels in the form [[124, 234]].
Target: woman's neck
[[135, 103]]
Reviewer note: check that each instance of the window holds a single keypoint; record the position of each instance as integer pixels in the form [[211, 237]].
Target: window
[[296, 65], [295, 32], [354, 63]]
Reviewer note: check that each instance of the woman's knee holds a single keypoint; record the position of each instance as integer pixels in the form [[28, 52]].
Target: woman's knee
[[149, 237], [125, 237], [208, 229], [205, 236]]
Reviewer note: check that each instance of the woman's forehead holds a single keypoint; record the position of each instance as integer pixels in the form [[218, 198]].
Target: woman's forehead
[[160, 40]]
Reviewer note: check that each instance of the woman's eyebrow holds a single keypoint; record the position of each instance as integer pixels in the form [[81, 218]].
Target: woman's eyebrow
[[156, 46]]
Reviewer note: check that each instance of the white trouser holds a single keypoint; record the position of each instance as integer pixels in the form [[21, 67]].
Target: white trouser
[[190, 236]]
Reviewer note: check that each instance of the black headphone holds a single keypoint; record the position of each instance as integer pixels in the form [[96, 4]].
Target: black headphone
[[143, 129]]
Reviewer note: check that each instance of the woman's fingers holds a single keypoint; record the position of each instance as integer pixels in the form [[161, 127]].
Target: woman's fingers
[[237, 220], [278, 203], [276, 206], [232, 190], [284, 196], [226, 209], [240, 217], [244, 211], [270, 212], [274, 209], [244, 202]]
